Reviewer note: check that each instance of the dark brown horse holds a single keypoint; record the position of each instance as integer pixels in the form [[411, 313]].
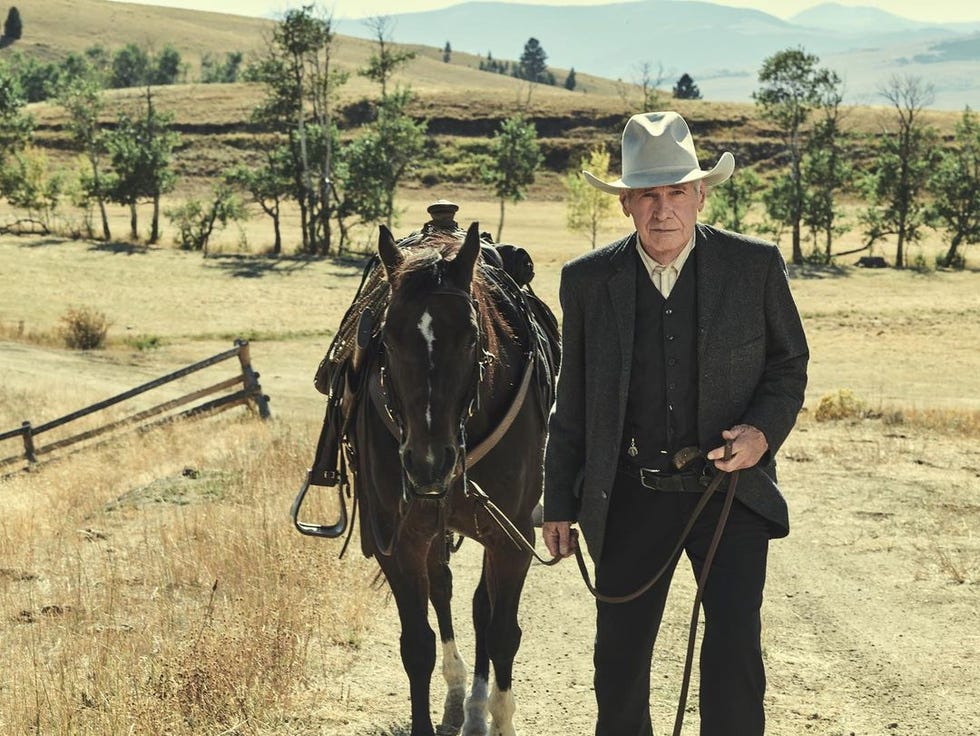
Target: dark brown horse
[[451, 401]]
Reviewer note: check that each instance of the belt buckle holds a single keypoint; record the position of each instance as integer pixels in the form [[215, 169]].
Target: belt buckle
[[644, 472]]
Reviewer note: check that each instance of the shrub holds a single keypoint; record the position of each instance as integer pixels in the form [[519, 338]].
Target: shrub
[[84, 328], [842, 404], [196, 221]]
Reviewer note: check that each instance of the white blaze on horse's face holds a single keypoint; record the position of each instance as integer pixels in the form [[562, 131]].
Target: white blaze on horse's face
[[425, 327]]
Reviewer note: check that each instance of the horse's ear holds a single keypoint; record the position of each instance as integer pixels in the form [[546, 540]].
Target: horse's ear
[[391, 254], [465, 260]]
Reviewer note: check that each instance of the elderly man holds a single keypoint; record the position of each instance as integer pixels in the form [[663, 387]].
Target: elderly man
[[679, 335]]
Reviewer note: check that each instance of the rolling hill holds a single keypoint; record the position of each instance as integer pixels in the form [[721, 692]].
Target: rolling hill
[[722, 47], [463, 105]]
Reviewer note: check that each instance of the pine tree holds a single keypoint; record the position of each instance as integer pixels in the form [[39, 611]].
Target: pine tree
[[447, 52], [570, 79], [532, 66], [686, 89], [13, 27]]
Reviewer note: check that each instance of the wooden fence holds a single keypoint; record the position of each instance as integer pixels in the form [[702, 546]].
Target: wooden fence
[[250, 392]]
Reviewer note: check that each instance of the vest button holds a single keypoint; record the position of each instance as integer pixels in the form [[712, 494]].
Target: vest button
[[668, 311], [670, 338], [671, 386], [672, 361]]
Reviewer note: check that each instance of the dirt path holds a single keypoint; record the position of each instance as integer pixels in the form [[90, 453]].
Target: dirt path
[[872, 615]]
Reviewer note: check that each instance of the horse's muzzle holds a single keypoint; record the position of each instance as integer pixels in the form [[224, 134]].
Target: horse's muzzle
[[431, 476]]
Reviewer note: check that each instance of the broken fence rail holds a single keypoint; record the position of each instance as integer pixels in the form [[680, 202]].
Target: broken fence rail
[[250, 391]]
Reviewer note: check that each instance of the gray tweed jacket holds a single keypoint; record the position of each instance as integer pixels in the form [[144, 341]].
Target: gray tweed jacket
[[752, 358]]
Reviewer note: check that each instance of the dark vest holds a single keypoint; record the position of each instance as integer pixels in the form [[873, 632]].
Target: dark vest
[[662, 405]]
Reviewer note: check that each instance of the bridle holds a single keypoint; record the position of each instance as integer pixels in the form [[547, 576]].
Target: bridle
[[391, 406], [391, 402]]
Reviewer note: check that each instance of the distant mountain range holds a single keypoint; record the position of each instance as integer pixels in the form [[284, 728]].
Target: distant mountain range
[[721, 47]]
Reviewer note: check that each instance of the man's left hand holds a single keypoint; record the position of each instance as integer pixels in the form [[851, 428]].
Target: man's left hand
[[748, 446]]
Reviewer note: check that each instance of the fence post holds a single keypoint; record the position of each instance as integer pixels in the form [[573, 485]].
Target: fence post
[[28, 434], [251, 379]]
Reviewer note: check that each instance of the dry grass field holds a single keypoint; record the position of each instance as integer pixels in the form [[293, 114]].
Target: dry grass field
[[154, 584]]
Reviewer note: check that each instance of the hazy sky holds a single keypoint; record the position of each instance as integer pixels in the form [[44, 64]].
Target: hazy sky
[[935, 10]]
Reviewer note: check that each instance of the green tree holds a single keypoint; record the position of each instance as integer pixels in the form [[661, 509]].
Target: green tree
[[165, 67], [955, 186], [390, 146], [385, 61], [26, 184], [141, 150], [903, 162], [130, 67], [729, 206], [826, 170], [300, 89], [686, 89], [380, 159], [215, 71], [532, 66], [268, 185], [133, 66], [516, 156], [791, 86], [197, 221], [81, 97], [16, 126], [37, 79], [570, 80], [447, 53], [588, 208], [13, 27]]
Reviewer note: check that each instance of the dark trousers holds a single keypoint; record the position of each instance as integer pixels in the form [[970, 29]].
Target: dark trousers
[[642, 528]]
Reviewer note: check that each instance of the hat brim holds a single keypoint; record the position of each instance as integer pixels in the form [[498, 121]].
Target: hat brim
[[645, 180]]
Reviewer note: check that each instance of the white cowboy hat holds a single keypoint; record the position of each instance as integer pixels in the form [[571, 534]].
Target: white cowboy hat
[[657, 151]]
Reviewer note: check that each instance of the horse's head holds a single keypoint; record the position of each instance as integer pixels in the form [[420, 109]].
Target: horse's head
[[433, 352]]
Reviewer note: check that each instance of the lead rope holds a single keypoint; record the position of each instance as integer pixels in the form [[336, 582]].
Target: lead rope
[[702, 581]]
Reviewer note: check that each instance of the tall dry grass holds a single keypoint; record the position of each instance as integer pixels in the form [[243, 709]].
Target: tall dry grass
[[155, 586]]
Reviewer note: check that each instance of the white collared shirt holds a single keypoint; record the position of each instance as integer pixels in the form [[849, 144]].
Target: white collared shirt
[[665, 276]]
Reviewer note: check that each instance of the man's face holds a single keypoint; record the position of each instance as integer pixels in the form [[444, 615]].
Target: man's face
[[664, 216]]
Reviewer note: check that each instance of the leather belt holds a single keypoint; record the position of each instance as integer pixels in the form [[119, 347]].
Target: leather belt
[[657, 480]]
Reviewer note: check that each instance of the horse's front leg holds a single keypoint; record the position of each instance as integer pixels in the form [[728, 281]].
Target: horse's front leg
[[477, 703], [407, 576], [453, 667], [506, 570], [498, 637]]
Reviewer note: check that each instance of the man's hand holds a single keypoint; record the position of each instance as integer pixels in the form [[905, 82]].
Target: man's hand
[[748, 446], [559, 538]]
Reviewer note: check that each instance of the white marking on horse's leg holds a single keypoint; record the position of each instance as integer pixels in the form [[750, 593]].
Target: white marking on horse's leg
[[476, 709], [502, 709], [454, 672], [453, 666], [425, 327]]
